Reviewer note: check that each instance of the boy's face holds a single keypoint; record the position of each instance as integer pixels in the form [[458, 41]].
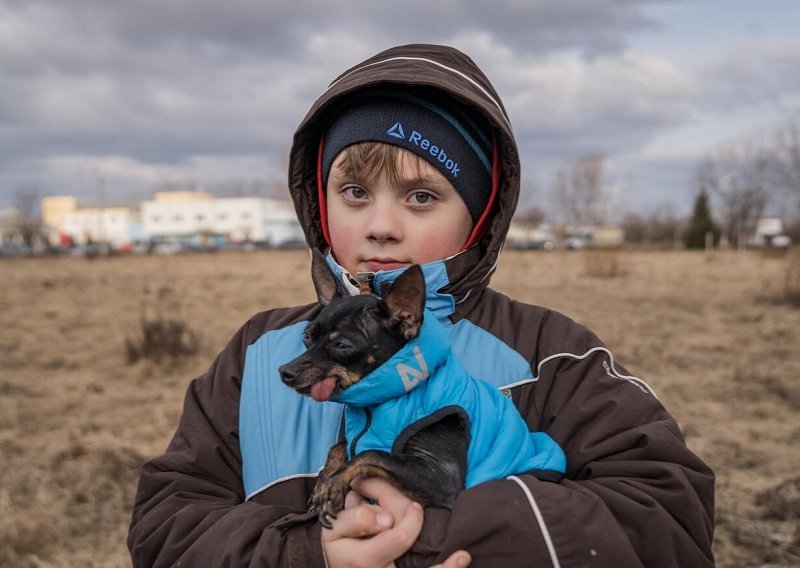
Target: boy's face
[[377, 223]]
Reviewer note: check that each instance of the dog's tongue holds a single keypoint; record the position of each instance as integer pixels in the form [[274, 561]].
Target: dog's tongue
[[323, 390]]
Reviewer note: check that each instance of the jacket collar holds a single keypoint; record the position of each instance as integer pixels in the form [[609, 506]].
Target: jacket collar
[[438, 301]]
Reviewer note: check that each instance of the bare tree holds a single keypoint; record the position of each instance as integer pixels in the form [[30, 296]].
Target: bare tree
[[787, 146], [661, 227], [532, 215], [580, 190], [740, 176], [27, 221], [529, 211]]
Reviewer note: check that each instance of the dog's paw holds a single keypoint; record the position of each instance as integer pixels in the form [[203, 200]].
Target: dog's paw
[[325, 517], [328, 499], [338, 489], [316, 502], [324, 511]]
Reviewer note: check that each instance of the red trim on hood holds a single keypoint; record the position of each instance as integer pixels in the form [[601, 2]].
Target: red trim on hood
[[483, 223], [323, 204]]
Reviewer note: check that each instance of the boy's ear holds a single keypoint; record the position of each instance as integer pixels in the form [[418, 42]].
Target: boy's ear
[[405, 300], [326, 284]]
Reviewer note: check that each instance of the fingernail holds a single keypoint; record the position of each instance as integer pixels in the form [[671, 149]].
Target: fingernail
[[463, 561], [384, 520]]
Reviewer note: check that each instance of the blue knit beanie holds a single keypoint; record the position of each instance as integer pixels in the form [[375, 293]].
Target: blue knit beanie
[[450, 138]]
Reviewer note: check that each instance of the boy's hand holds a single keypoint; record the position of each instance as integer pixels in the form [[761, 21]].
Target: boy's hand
[[372, 536], [459, 559], [375, 535]]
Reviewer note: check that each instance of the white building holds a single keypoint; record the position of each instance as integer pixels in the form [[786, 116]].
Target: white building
[[113, 225], [116, 226], [769, 233], [199, 218]]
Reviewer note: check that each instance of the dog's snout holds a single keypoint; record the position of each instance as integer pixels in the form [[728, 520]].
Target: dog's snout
[[288, 373]]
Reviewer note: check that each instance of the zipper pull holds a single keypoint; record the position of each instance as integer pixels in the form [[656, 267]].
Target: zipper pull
[[365, 280]]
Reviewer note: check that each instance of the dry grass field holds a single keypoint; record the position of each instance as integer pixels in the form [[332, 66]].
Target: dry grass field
[[77, 420]]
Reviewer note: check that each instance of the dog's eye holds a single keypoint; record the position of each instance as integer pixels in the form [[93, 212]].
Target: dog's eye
[[342, 346], [306, 339]]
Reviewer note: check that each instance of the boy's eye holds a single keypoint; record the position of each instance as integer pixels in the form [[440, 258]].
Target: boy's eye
[[354, 193], [422, 198]]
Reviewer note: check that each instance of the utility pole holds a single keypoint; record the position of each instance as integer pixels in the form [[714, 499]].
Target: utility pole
[[101, 205]]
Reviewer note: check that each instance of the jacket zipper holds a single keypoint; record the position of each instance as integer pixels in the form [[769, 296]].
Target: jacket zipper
[[361, 434]]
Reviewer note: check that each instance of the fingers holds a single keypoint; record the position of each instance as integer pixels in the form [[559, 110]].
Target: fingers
[[391, 544], [358, 522], [459, 559], [345, 543], [353, 500], [382, 492]]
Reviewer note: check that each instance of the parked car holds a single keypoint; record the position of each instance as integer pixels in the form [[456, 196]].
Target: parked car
[[521, 237], [595, 237]]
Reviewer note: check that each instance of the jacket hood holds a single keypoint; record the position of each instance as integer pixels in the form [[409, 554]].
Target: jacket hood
[[456, 75]]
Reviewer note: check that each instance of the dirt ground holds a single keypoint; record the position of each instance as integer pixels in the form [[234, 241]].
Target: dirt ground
[[77, 420]]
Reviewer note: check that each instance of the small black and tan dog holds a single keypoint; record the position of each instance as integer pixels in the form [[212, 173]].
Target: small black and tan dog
[[351, 337]]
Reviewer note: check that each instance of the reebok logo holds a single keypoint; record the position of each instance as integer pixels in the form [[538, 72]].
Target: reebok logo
[[435, 151], [397, 131]]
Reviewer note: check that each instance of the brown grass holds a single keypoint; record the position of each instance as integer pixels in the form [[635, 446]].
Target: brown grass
[[77, 421], [791, 286], [604, 263]]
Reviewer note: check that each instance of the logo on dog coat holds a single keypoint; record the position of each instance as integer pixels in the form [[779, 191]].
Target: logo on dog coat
[[410, 376]]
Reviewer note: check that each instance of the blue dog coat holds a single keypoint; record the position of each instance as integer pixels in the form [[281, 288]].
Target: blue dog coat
[[423, 379]]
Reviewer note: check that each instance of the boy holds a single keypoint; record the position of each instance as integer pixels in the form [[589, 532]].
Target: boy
[[409, 158]]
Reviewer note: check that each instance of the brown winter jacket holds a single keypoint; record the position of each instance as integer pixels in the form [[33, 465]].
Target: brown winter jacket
[[633, 494]]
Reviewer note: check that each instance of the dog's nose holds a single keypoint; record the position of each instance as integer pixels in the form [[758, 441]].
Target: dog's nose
[[287, 373]]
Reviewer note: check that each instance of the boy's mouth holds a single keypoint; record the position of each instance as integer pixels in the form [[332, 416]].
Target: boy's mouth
[[376, 264]]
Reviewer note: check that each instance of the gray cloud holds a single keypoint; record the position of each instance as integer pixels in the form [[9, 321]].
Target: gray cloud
[[753, 74], [252, 26], [150, 91]]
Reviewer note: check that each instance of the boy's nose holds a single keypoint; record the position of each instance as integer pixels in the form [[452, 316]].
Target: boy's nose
[[384, 224]]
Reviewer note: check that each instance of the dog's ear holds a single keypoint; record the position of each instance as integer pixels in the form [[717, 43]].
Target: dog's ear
[[406, 300], [326, 284]]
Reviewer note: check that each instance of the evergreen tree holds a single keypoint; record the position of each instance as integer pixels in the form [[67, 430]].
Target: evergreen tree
[[700, 224]]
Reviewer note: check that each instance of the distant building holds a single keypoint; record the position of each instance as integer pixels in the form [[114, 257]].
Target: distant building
[[55, 208], [10, 233], [21, 233], [202, 219], [9, 226], [769, 233], [205, 220], [116, 226], [188, 218]]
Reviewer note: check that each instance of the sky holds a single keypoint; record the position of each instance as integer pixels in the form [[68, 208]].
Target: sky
[[111, 100]]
